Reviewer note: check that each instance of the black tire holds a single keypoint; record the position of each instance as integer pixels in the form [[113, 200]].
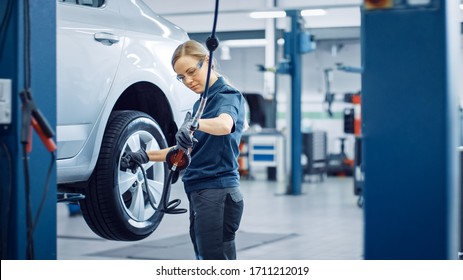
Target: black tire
[[116, 204]]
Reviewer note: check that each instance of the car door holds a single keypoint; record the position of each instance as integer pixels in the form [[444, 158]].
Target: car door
[[89, 44]]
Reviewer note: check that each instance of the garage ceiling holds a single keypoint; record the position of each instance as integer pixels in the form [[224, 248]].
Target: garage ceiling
[[342, 17], [235, 14]]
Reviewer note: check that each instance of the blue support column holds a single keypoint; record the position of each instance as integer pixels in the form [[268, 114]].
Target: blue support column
[[296, 89], [410, 130], [43, 89], [297, 42]]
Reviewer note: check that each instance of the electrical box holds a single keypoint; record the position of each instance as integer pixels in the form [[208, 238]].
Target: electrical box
[[5, 102], [306, 42]]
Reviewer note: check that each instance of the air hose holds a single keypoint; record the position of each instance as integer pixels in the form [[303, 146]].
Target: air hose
[[178, 159], [166, 207]]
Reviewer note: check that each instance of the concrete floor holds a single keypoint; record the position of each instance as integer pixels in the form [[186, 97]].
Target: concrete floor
[[324, 223]]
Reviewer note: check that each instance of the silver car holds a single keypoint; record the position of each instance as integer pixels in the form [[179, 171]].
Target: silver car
[[117, 92]]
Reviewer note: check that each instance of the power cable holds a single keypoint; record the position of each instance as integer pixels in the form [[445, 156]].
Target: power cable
[[30, 254], [212, 42], [30, 238], [176, 158], [45, 191], [165, 206], [31, 117], [9, 190], [5, 22]]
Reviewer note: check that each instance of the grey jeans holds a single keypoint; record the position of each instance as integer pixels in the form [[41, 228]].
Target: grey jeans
[[215, 216]]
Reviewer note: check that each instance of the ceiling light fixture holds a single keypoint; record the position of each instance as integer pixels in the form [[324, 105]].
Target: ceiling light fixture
[[268, 14], [244, 43], [313, 12]]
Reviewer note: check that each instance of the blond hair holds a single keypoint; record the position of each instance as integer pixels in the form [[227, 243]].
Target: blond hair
[[190, 48]]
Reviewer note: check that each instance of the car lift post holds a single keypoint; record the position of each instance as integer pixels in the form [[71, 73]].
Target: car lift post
[[297, 42], [410, 89], [42, 18]]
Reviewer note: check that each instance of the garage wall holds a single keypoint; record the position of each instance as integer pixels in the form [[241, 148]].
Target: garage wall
[[242, 71]]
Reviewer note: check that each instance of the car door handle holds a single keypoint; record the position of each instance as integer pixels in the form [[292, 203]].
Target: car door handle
[[106, 38]]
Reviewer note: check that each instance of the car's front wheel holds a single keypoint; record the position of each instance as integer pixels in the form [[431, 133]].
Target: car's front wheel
[[117, 202]]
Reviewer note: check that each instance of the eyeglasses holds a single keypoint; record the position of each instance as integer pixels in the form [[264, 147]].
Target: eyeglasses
[[191, 72]]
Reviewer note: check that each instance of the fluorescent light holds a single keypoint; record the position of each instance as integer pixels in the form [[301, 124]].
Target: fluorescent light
[[461, 6], [268, 14], [313, 12], [244, 43], [280, 14]]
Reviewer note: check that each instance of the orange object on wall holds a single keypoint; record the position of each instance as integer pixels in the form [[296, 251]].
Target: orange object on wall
[[243, 168], [378, 4], [356, 100]]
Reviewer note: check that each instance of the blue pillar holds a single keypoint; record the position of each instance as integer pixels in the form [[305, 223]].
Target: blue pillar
[[43, 88], [296, 89], [410, 130], [297, 42]]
